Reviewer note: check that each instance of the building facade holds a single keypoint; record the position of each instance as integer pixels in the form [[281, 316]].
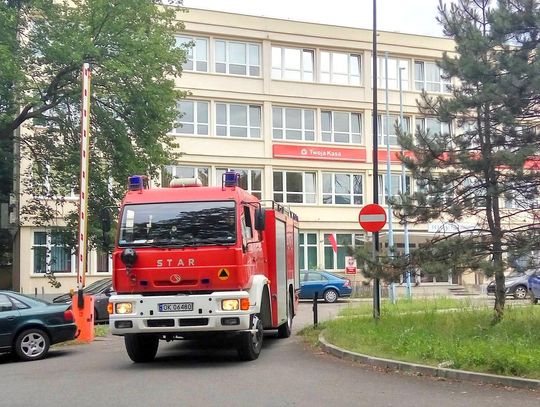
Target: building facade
[[288, 105]]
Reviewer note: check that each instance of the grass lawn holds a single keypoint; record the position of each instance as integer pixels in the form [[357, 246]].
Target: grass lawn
[[458, 336]]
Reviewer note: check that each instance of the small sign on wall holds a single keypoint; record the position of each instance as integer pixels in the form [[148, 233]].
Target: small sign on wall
[[350, 265]]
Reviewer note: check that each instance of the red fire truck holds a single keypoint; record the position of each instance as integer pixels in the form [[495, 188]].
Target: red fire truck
[[191, 262]]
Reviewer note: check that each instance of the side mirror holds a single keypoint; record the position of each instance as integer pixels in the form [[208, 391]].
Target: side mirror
[[260, 219]]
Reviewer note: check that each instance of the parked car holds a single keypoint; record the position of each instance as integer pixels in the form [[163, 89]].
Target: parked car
[[101, 290], [328, 286], [28, 326], [515, 284], [534, 287]]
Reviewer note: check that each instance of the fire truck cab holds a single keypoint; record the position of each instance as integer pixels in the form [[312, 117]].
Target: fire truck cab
[[192, 261]]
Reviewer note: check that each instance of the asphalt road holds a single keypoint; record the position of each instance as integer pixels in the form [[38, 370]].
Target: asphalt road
[[184, 374]]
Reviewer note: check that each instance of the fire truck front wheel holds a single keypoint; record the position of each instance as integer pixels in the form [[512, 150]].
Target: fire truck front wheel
[[141, 348], [250, 343]]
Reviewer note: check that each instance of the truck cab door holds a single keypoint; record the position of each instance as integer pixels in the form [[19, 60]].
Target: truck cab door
[[9, 318]]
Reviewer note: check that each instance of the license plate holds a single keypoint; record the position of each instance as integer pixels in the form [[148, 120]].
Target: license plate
[[177, 306]]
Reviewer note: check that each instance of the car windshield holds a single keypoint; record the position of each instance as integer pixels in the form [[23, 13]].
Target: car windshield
[[178, 224], [520, 273], [96, 286]]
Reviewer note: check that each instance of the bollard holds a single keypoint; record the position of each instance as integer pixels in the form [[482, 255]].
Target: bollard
[[315, 316]]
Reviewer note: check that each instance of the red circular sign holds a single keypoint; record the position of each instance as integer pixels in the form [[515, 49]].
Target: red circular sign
[[372, 218]]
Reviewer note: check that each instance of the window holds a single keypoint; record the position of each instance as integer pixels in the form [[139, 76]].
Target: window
[[343, 189], [394, 66], [294, 187], [50, 184], [238, 58], [250, 180], [103, 260], [433, 126], [292, 64], [179, 171], [51, 254], [390, 135], [196, 53], [429, 77], [193, 117], [235, 120], [340, 68], [341, 127], [395, 188], [343, 240], [5, 303], [293, 124], [308, 251], [473, 192]]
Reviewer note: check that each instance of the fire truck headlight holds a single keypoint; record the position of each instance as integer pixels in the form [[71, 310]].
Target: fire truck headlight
[[230, 305], [123, 308]]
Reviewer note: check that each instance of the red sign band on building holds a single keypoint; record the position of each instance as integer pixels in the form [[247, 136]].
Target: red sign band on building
[[319, 153]]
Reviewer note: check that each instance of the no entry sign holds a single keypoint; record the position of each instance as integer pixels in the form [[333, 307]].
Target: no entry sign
[[372, 218]]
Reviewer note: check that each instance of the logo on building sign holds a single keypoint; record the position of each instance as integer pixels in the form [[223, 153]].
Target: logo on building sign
[[319, 153], [175, 278]]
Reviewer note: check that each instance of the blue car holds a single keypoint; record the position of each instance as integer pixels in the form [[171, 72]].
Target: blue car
[[534, 287], [328, 286]]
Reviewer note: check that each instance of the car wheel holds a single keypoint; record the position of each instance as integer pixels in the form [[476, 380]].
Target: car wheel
[[250, 343], [284, 330], [141, 348], [520, 293], [331, 295], [32, 344]]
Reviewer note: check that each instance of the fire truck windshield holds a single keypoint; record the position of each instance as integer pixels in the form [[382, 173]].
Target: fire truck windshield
[[178, 224]]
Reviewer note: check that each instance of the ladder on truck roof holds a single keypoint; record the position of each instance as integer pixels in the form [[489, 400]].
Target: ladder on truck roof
[[286, 210]]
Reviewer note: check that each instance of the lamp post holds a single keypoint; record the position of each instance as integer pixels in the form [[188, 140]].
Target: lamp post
[[376, 283], [388, 190], [404, 186]]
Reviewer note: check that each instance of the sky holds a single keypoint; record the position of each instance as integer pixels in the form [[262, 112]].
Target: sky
[[405, 16]]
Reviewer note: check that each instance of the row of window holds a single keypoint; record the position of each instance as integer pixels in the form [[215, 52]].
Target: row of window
[[52, 255], [306, 65], [290, 123], [293, 187], [337, 188]]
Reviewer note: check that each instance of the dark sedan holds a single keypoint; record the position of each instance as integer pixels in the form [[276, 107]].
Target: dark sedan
[[515, 284], [29, 326], [328, 286], [101, 290]]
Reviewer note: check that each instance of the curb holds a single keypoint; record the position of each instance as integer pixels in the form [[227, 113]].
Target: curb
[[425, 370]]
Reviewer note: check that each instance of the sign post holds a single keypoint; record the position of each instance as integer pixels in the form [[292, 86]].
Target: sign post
[[372, 218]]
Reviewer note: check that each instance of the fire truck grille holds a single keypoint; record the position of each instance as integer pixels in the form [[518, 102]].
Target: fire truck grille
[[193, 321], [156, 323]]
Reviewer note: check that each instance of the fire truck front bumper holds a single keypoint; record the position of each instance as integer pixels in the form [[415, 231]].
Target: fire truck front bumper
[[216, 312]]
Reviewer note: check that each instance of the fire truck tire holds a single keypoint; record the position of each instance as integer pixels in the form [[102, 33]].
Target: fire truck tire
[[141, 348], [250, 343], [284, 330]]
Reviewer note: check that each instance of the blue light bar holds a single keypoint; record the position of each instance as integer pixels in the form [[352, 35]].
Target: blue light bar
[[230, 179], [137, 183]]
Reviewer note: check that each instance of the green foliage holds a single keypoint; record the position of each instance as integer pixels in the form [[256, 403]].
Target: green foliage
[[467, 174], [130, 46], [463, 338]]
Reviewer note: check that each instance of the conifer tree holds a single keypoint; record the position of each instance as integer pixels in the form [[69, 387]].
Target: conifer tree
[[482, 178]]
